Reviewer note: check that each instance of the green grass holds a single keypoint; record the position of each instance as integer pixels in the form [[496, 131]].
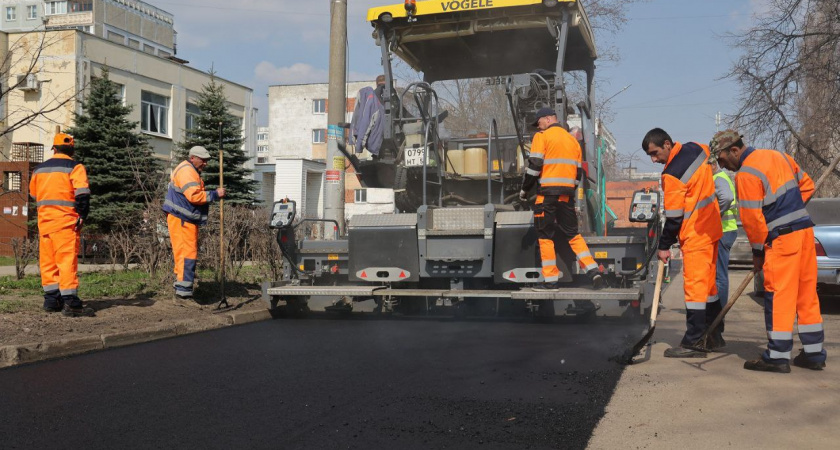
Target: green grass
[[7, 261], [13, 306], [91, 285]]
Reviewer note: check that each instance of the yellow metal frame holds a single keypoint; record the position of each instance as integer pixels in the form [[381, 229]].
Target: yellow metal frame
[[430, 7]]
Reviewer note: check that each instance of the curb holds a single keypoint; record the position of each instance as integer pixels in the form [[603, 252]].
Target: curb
[[14, 355]]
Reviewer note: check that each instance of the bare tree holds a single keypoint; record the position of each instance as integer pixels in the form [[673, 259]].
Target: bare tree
[[27, 70], [25, 251], [790, 82]]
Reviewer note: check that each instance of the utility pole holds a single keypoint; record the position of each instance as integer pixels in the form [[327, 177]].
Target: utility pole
[[337, 101]]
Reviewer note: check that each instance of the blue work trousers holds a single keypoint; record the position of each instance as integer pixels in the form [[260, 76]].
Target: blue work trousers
[[722, 272]]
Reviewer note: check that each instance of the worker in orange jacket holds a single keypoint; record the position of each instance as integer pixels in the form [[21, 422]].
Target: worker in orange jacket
[[772, 192], [692, 217], [555, 161], [187, 204], [62, 195]]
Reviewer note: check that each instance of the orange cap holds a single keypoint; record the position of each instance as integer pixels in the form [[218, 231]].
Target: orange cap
[[63, 139]]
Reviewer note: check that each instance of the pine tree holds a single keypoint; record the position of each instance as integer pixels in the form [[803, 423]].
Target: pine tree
[[213, 105], [120, 163]]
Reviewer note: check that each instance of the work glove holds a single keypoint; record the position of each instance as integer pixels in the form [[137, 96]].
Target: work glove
[[523, 196], [79, 223]]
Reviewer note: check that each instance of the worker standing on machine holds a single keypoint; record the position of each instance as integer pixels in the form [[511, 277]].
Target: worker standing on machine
[[692, 217], [773, 190], [555, 161]]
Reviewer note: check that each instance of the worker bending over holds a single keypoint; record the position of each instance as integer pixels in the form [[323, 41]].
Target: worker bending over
[[773, 191], [555, 161], [692, 218], [186, 206], [62, 195]]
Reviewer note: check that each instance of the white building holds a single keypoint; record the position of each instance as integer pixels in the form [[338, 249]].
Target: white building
[[297, 148]]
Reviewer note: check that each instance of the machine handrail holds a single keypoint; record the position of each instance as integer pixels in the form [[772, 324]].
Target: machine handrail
[[491, 137]]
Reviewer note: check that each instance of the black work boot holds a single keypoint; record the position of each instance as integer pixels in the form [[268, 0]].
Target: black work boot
[[763, 366], [715, 341], [801, 360], [682, 352], [52, 301], [547, 287], [77, 311], [596, 278]]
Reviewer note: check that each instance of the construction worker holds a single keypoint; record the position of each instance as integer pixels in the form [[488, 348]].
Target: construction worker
[[728, 203], [187, 204], [555, 161], [62, 194], [772, 192], [692, 218]]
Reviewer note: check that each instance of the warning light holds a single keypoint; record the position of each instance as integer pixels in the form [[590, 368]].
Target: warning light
[[334, 269]]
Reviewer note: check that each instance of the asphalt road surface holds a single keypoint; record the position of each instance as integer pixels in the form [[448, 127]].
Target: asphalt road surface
[[324, 383]]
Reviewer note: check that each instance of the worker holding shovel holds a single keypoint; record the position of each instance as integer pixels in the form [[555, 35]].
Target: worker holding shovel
[[186, 205], [772, 191]]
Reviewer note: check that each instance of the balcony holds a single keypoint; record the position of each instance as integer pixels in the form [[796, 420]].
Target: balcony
[[70, 19]]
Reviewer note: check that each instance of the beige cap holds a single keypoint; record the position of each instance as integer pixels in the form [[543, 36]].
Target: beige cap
[[200, 152]]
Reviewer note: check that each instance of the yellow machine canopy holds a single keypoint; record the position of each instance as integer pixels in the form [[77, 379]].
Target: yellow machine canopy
[[457, 39]]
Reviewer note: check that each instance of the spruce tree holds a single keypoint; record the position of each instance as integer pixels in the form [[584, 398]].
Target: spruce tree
[[120, 163], [212, 103]]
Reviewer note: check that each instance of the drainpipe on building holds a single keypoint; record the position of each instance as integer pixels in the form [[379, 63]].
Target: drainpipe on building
[[334, 174]]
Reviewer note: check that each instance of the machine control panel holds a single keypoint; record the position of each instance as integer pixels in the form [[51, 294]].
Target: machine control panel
[[283, 214], [645, 207]]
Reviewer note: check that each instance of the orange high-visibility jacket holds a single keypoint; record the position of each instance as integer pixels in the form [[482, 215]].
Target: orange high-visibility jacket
[[60, 188], [186, 197], [555, 160], [772, 192], [692, 214]]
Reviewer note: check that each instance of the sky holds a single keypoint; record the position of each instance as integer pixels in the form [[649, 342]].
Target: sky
[[673, 55]]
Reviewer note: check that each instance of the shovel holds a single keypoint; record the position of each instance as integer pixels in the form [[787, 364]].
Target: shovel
[[654, 311], [703, 343]]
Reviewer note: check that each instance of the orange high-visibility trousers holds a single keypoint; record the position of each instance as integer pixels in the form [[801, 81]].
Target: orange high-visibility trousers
[[701, 301], [59, 263], [555, 216], [184, 238], [790, 285]]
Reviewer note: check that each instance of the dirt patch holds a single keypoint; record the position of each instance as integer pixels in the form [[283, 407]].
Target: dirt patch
[[29, 324]]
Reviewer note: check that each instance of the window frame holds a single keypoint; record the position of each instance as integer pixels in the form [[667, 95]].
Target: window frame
[[8, 177], [148, 108], [191, 114], [30, 9], [11, 13], [317, 102], [360, 196], [319, 131], [52, 9]]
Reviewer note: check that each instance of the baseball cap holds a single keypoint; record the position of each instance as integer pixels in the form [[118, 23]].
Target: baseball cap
[[200, 152], [543, 112], [63, 139], [722, 140]]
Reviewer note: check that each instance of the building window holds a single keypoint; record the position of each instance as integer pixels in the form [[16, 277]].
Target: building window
[[262, 160], [319, 106], [53, 8], [80, 5], [154, 113], [262, 136], [11, 181], [116, 37], [319, 136], [192, 114], [11, 13], [361, 196], [134, 43], [32, 12], [148, 49], [262, 148]]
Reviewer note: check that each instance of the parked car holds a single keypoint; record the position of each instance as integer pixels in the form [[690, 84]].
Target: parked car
[[825, 212]]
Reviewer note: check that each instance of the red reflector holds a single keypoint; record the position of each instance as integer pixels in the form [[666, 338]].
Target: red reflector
[[402, 274], [284, 238], [651, 233], [819, 248], [334, 269], [585, 166], [634, 303], [364, 275], [512, 276]]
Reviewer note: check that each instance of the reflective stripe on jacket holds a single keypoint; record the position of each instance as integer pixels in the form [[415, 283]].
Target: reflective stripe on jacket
[[772, 190], [692, 214], [727, 201], [55, 186], [555, 160], [186, 197]]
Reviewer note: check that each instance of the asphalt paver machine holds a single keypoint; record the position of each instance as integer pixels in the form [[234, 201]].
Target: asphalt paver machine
[[460, 243]]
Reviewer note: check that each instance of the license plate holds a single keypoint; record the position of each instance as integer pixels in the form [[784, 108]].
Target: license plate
[[414, 157]]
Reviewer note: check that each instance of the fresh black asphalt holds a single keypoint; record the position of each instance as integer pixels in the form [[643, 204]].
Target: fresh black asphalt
[[327, 383]]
